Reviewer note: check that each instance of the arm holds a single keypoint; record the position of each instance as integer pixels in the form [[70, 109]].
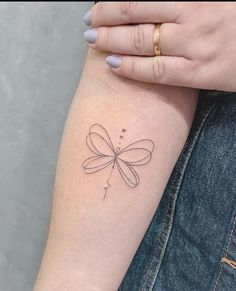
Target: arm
[[93, 240]]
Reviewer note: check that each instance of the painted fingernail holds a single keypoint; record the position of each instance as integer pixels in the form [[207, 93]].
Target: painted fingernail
[[91, 35], [113, 61], [87, 19]]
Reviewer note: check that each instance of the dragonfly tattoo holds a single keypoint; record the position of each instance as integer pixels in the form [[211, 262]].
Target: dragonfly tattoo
[[125, 159]]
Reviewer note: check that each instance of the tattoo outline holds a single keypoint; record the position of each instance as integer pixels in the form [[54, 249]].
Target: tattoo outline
[[138, 153]]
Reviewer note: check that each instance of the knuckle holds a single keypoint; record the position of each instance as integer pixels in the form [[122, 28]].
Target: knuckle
[[138, 38], [98, 10], [157, 69], [193, 69], [107, 38], [127, 8], [100, 6], [103, 41], [132, 67]]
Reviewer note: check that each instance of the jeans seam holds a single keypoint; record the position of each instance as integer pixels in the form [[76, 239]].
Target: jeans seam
[[185, 155], [226, 252], [230, 238]]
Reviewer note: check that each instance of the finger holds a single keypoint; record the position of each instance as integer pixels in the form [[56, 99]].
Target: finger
[[126, 39], [119, 13], [137, 39], [176, 71]]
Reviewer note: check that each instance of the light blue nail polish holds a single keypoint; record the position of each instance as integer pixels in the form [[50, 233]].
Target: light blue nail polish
[[91, 35], [87, 19], [113, 61]]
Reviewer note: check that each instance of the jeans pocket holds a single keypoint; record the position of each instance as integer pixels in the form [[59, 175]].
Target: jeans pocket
[[226, 279]]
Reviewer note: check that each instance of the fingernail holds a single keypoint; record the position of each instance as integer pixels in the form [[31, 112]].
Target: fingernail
[[87, 19], [113, 61], [91, 35]]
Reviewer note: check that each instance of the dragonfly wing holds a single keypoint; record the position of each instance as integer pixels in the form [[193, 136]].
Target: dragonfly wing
[[138, 153], [96, 163], [128, 173], [99, 141]]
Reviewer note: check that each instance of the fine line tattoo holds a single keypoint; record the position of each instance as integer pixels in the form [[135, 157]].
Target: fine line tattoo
[[138, 153]]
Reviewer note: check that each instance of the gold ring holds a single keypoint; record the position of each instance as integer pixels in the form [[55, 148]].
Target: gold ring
[[156, 40]]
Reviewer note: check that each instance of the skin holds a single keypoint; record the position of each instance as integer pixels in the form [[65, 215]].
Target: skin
[[92, 240], [197, 40]]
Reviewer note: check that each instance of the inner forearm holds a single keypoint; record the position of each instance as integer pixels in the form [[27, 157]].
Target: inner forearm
[[99, 219]]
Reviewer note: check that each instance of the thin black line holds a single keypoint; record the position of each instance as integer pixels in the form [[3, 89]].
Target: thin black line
[[89, 168]]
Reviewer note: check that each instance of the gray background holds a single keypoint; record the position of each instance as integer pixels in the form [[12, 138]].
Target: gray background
[[42, 52]]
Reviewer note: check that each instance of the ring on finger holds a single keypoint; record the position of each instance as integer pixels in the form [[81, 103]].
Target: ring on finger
[[156, 40]]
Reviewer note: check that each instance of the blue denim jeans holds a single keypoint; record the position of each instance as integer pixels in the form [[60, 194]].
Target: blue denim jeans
[[190, 244]]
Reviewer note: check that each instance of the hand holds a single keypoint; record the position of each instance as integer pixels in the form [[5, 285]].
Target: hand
[[197, 41]]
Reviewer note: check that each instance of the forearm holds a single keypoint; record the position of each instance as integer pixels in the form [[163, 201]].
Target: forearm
[[93, 239]]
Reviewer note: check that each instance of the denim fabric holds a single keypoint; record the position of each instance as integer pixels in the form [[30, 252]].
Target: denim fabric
[[190, 244]]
